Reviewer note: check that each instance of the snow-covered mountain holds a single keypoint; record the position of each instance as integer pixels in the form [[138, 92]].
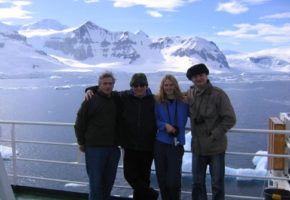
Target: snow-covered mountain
[[92, 45], [194, 50], [265, 61], [17, 57]]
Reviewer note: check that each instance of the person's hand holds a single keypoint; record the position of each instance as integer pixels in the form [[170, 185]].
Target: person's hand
[[185, 99], [82, 148], [170, 129], [89, 94]]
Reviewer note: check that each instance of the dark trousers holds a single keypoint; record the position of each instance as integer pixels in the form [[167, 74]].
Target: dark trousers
[[217, 171], [101, 165], [137, 171], [168, 163]]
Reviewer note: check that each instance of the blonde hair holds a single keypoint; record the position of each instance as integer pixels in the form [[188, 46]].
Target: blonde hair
[[162, 96]]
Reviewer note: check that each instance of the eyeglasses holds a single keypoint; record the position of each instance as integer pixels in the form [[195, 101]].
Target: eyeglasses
[[108, 83], [139, 85]]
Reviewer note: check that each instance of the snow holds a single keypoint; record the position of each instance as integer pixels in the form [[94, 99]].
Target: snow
[[16, 57], [7, 29], [272, 60], [74, 185], [48, 24], [140, 43], [6, 152]]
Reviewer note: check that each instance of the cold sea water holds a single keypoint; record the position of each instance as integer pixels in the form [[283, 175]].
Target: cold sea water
[[57, 97]]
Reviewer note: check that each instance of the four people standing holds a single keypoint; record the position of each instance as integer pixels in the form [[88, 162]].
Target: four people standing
[[211, 115]]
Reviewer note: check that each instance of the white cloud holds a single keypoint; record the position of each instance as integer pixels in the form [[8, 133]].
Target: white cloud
[[91, 1], [261, 31], [256, 2], [21, 3], [154, 13], [165, 5], [284, 15], [232, 7], [14, 10], [237, 7]]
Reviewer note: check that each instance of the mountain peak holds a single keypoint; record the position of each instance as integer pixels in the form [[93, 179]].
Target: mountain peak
[[141, 33], [45, 24], [89, 23]]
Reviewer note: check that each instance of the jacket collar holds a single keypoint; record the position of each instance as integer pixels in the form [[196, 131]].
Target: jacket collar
[[205, 89], [103, 94]]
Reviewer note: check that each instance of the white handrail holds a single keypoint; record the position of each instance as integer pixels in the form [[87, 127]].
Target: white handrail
[[233, 130], [36, 123]]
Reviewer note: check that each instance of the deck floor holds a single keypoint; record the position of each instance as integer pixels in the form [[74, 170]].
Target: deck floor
[[38, 197], [30, 193]]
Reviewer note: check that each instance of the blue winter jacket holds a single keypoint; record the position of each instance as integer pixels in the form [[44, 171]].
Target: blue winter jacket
[[164, 113]]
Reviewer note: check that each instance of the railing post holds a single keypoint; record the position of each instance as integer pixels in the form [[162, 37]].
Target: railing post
[[13, 145], [5, 187], [276, 145]]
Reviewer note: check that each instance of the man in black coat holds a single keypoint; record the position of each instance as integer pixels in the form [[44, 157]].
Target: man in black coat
[[95, 129]]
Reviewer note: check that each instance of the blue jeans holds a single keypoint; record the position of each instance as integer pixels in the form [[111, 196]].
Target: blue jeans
[[217, 171], [101, 165]]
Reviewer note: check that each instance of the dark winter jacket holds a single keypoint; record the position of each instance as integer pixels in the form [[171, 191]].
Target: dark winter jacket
[[137, 123], [96, 121], [136, 120]]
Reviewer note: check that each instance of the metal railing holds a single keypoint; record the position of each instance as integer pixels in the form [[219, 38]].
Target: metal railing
[[15, 158]]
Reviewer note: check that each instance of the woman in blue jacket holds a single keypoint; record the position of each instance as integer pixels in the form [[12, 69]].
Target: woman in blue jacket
[[171, 113]]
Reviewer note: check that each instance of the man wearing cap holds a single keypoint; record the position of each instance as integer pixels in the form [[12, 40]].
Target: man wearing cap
[[211, 115], [137, 131]]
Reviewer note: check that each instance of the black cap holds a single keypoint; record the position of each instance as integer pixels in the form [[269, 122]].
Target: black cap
[[197, 69], [138, 78]]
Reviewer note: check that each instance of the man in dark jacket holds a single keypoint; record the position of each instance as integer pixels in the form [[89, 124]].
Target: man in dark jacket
[[211, 115], [95, 130], [137, 131]]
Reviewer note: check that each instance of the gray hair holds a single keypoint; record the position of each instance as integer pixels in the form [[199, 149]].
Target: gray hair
[[106, 74]]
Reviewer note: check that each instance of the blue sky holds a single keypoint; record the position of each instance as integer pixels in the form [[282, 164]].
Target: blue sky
[[239, 25]]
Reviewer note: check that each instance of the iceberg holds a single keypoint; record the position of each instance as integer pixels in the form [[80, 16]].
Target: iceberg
[[6, 152]]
